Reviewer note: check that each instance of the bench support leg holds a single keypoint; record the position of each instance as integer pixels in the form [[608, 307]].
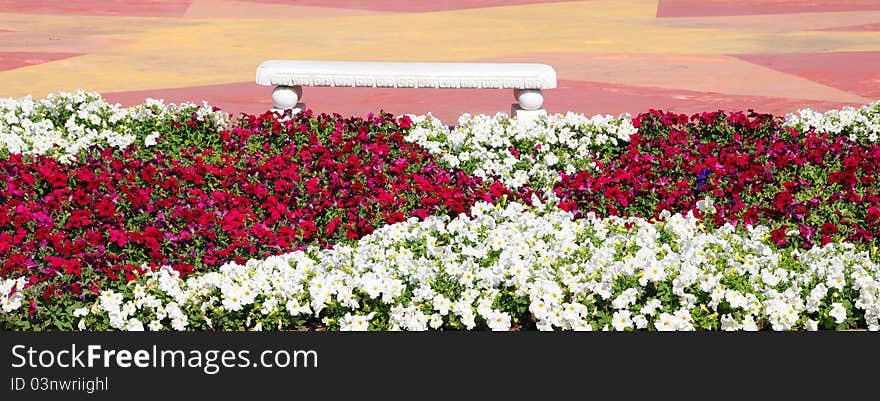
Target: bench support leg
[[287, 97], [529, 106]]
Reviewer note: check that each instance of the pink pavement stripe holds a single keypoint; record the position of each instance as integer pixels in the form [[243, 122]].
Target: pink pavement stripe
[[239, 97], [855, 72], [134, 8], [597, 97], [582, 97], [13, 60], [707, 8], [242, 8], [408, 6], [856, 28]]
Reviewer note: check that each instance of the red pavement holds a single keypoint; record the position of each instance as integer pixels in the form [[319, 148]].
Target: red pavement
[[706, 8], [12, 60]]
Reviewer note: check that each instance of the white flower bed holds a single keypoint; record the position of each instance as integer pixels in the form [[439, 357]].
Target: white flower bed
[[521, 153], [862, 124], [509, 263], [63, 124]]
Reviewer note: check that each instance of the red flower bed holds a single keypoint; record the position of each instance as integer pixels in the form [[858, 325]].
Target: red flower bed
[[755, 171], [266, 187]]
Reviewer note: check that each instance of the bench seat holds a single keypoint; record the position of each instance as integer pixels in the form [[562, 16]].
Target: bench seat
[[289, 76]]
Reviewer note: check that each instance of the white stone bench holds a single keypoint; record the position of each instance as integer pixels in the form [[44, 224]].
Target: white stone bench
[[290, 76]]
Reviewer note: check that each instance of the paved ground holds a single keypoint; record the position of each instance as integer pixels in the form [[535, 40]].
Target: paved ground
[[611, 56]]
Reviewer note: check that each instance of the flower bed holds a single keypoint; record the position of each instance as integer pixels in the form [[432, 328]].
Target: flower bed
[[530, 154], [65, 125], [264, 187], [174, 217], [808, 187], [857, 124], [520, 267]]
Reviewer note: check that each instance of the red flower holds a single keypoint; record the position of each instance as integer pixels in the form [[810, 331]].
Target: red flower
[[308, 229], [750, 217], [395, 217], [232, 221], [119, 237], [498, 189], [782, 201], [404, 122], [312, 186], [152, 239], [73, 266], [420, 213], [873, 213], [851, 162], [184, 268], [330, 230], [106, 208], [78, 218], [779, 236], [148, 174], [614, 194], [828, 229]]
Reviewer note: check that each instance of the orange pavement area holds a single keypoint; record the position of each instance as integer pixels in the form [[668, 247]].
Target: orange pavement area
[[611, 56]]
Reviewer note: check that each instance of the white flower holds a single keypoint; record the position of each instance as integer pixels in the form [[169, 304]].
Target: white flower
[[640, 321], [499, 321], [436, 321], [110, 300], [621, 320], [749, 324], [150, 140], [81, 312], [581, 325], [442, 304], [729, 323], [625, 299], [838, 312], [651, 307], [233, 297], [269, 306], [836, 280], [351, 322], [666, 322], [139, 291], [179, 323], [295, 308], [706, 206], [134, 325], [652, 273]]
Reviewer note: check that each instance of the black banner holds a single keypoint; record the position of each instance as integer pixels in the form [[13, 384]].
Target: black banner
[[69, 366]]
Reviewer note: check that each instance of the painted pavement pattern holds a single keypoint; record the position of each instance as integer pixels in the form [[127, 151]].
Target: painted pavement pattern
[[611, 56]]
